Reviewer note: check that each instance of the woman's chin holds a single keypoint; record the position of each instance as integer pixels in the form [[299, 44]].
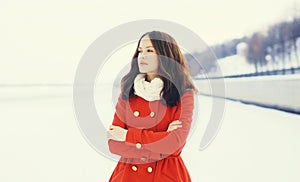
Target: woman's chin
[[143, 71]]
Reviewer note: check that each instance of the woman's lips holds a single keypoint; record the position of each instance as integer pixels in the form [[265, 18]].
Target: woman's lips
[[143, 63]]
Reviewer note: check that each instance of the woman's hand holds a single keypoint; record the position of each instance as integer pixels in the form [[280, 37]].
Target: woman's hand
[[116, 133], [174, 125]]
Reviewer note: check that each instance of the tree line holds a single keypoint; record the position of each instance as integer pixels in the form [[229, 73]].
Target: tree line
[[277, 43]]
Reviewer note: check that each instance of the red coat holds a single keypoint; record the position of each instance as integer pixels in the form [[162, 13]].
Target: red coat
[[150, 154]]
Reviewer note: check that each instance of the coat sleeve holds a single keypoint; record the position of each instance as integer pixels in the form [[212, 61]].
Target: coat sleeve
[[166, 142], [125, 149]]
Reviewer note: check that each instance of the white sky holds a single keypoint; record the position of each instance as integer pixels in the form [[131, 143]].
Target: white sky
[[43, 41]]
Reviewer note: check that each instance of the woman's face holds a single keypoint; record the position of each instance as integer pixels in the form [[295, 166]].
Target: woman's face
[[147, 57]]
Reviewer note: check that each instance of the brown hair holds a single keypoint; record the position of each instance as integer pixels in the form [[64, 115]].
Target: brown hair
[[173, 69]]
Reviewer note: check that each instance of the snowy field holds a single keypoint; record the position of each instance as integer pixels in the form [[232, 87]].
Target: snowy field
[[276, 91], [41, 142]]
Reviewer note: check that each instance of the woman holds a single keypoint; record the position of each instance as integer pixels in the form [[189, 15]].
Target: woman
[[153, 113]]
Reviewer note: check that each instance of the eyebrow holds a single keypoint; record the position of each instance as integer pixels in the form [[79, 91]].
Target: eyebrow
[[146, 47]]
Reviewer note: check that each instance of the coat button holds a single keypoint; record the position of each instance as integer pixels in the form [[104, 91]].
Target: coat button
[[136, 113], [138, 145], [134, 168], [149, 169], [152, 114]]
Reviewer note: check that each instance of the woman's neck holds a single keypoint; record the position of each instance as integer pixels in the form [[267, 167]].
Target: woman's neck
[[150, 77]]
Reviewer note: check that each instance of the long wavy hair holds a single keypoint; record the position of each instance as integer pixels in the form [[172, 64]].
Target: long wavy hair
[[173, 69]]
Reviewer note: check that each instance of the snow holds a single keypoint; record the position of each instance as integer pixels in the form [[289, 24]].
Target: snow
[[276, 91], [40, 141]]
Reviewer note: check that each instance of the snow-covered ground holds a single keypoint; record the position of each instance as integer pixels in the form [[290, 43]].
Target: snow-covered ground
[[276, 91], [40, 141]]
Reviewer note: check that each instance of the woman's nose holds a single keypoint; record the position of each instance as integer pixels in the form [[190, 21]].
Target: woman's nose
[[142, 55]]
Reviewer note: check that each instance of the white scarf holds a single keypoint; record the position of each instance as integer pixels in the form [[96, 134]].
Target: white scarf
[[149, 91]]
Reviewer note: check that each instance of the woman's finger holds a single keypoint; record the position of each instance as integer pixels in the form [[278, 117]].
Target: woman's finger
[[111, 127], [174, 127], [176, 122]]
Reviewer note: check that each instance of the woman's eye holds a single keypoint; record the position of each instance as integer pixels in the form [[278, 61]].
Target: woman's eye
[[148, 50]]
